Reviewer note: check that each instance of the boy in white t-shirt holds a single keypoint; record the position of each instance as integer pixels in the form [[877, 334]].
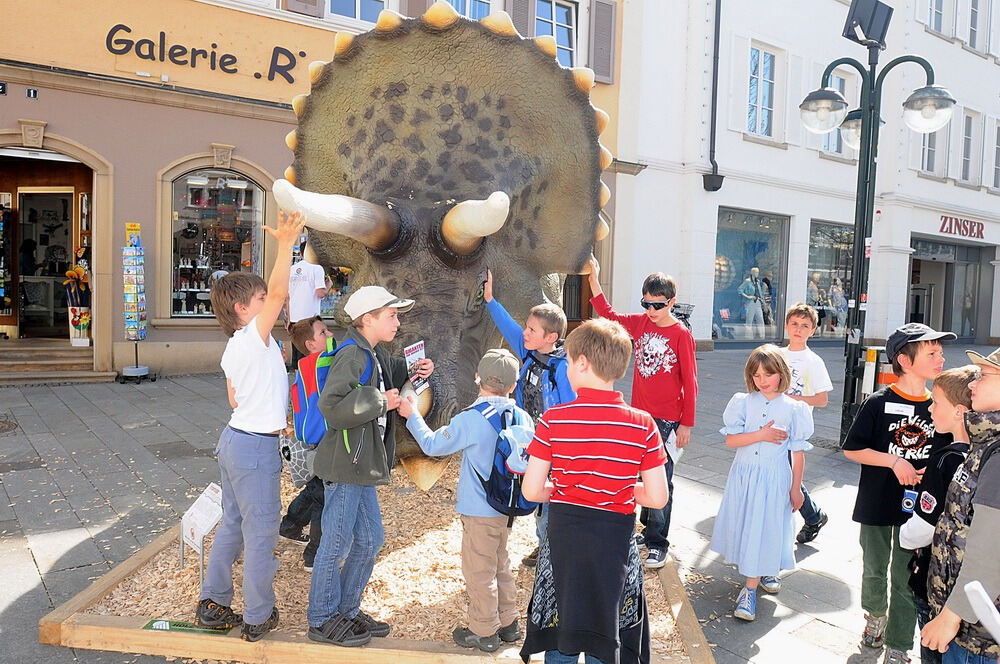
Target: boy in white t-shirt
[[811, 384], [249, 461]]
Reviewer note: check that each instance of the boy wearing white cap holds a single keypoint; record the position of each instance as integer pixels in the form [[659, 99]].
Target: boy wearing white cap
[[356, 454]]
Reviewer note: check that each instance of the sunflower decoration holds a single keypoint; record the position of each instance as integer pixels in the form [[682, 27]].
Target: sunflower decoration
[[77, 286]]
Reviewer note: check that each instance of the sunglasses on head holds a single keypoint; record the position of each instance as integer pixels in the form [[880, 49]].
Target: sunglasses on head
[[654, 305]]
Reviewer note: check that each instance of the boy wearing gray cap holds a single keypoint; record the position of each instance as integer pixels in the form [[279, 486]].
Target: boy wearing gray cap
[[892, 437], [492, 608]]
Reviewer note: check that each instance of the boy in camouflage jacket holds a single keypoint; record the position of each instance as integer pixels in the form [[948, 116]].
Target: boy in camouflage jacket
[[963, 548]]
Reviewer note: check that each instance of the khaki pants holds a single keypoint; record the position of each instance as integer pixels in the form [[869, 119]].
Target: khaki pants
[[486, 568]]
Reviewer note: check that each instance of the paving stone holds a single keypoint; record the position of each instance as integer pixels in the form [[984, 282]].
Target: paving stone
[[62, 585], [63, 548], [176, 450]]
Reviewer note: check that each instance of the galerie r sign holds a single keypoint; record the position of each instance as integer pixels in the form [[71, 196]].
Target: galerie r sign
[[961, 227]]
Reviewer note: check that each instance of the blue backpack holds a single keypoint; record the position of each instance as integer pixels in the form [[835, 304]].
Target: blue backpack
[[310, 425], [503, 486]]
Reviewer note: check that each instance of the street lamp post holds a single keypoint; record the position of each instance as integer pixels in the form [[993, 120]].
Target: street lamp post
[[926, 110]]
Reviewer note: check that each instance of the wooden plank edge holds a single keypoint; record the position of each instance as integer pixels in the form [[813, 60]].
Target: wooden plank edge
[[50, 625], [685, 620], [125, 634]]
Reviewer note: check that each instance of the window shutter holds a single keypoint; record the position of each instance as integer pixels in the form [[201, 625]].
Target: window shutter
[[794, 88], [916, 155], [413, 8], [602, 40], [921, 9], [962, 15], [307, 7], [994, 28], [522, 13], [813, 141], [989, 149], [739, 85], [954, 151]]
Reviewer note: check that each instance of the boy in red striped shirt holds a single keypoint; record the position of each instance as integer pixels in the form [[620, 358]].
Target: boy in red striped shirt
[[588, 595]]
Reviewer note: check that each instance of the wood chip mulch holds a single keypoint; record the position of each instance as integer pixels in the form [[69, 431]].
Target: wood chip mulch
[[417, 584]]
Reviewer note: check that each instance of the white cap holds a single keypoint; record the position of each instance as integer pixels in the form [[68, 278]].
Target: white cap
[[370, 298]]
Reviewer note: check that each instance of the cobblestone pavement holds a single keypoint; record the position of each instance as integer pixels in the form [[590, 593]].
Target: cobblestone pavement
[[92, 473]]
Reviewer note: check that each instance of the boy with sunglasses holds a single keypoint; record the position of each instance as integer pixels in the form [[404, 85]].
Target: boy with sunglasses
[[664, 384]]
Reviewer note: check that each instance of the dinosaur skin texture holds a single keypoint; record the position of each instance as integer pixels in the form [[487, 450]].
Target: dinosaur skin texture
[[421, 114]]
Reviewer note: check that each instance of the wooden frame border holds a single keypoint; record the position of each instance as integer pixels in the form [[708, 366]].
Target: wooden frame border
[[68, 625]]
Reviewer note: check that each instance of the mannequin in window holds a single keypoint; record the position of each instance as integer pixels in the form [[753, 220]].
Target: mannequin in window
[[752, 294], [838, 302]]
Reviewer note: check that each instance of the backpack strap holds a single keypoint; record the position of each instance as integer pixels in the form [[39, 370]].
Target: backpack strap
[[326, 357], [492, 415]]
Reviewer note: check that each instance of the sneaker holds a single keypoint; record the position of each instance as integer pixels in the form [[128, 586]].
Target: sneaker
[[893, 656], [294, 535], [640, 540], [307, 565], [531, 559], [874, 634], [341, 631], [809, 532], [376, 627], [466, 638], [257, 632], [656, 559], [215, 616], [510, 633], [746, 605], [770, 584]]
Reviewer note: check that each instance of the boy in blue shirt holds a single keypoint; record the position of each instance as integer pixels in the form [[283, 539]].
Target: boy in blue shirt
[[543, 382], [492, 607]]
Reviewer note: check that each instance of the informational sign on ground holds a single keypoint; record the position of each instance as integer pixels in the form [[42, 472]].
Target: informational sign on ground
[[178, 626], [202, 517]]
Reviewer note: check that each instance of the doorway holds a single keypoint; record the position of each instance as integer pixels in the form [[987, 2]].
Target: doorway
[[44, 254], [945, 287]]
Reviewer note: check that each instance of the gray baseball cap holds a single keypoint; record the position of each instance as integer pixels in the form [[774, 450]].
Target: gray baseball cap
[[498, 370]]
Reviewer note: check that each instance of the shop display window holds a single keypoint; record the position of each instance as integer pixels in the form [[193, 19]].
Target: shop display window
[[216, 222], [339, 289], [828, 286], [749, 302]]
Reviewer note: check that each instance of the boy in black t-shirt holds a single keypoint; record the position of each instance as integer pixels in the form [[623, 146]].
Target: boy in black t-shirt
[[892, 438], [951, 400]]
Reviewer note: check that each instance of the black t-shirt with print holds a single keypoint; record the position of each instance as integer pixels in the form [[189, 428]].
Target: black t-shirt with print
[[931, 493], [897, 424]]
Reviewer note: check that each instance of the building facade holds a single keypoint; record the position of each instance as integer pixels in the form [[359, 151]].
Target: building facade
[[786, 204], [165, 123]]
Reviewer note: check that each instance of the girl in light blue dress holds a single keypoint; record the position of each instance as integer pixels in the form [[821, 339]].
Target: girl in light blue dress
[[754, 529]]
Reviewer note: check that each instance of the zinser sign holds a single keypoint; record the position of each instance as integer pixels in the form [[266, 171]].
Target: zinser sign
[[961, 227]]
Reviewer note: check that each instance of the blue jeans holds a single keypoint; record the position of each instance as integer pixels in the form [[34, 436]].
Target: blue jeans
[[927, 656], [352, 535], [657, 522], [250, 467], [810, 511], [958, 655], [559, 657]]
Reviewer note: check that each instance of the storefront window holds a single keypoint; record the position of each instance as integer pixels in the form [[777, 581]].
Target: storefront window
[[828, 285], [749, 276], [216, 228]]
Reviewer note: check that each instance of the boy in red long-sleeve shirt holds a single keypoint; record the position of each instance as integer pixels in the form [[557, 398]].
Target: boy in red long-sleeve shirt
[[664, 384]]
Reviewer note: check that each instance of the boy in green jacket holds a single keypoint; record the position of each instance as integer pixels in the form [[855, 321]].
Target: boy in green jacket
[[356, 454]]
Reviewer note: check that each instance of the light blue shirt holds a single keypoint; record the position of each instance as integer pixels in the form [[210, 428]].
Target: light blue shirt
[[473, 435]]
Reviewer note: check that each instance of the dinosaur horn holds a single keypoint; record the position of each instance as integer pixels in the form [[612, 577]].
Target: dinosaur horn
[[466, 224], [372, 225]]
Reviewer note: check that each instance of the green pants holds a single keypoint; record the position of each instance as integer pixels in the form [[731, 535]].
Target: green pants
[[883, 556]]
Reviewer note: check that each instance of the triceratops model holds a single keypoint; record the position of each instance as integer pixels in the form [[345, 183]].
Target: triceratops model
[[431, 149]]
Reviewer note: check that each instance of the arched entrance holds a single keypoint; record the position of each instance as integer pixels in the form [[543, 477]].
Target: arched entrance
[[32, 135]]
